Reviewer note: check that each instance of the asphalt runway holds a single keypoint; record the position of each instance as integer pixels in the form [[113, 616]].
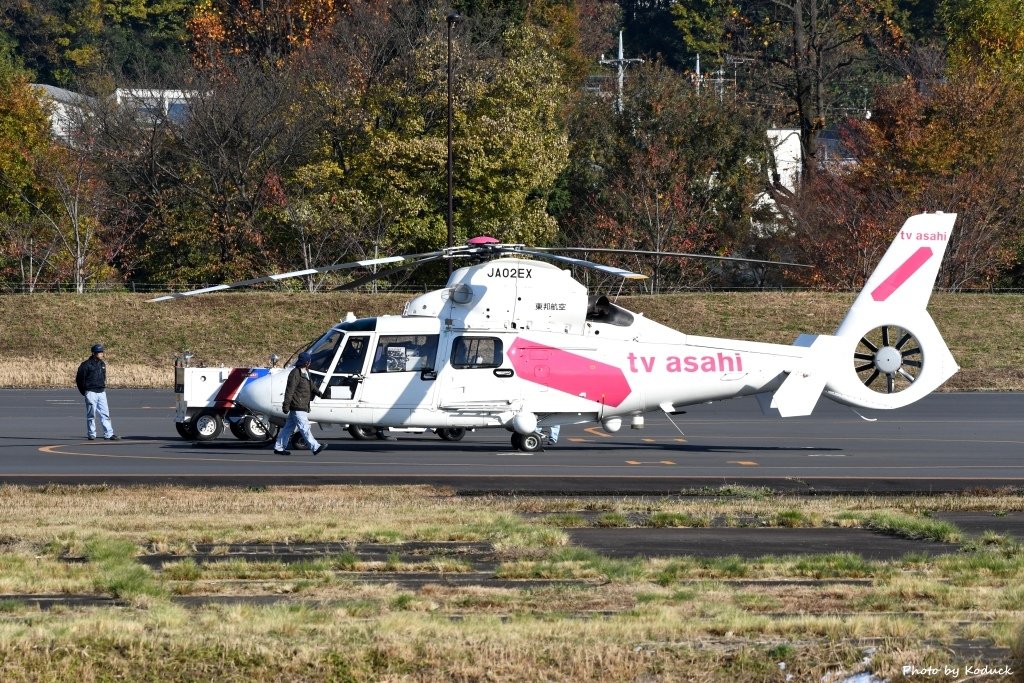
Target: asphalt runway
[[945, 442]]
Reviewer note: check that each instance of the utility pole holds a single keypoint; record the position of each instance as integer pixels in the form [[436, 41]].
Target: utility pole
[[453, 18], [620, 63]]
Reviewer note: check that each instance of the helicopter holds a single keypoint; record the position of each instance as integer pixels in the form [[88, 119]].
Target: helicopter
[[515, 342]]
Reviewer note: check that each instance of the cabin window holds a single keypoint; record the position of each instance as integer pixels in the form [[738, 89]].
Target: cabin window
[[476, 352], [404, 353]]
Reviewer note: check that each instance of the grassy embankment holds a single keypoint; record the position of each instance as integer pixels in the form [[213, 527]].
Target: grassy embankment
[[44, 337], [578, 616]]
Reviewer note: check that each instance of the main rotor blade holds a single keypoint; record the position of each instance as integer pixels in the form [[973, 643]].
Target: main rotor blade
[[611, 270], [370, 277], [642, 252], [284, 276]]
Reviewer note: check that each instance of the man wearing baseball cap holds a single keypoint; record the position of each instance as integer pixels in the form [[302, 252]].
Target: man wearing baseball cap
[[297, 397], [91, 381]]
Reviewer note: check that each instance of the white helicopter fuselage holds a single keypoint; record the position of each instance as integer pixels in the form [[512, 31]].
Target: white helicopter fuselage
[[518, 344], [591, 378]]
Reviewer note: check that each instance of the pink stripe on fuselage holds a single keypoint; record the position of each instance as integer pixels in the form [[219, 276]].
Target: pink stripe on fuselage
[[569, 372], [901, 274]]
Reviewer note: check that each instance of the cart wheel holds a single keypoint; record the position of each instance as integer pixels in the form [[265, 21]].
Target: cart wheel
[[298, 443], [208, 426], [185, 430], [362, 432], [258, 428], [237, 431], [451, 433], [529, 443]]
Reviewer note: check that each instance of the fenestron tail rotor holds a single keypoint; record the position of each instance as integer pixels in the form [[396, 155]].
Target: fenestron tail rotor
[[888, 359]]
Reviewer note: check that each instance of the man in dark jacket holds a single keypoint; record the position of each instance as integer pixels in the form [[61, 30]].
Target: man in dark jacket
[[297, 397], [91, 381]]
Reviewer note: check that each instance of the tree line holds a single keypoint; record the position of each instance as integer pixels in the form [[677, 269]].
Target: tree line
[[314, 132]]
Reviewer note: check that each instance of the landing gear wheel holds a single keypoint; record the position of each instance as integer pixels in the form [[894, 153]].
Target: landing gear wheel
[[258, 428], [362, 433], [451, 433], [528, 443], [185, 430], [237, 431], [298, 443], [208, 426]]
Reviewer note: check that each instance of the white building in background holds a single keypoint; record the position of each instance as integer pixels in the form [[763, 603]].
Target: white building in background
[[153, 105], [66, 109], [785, 143]]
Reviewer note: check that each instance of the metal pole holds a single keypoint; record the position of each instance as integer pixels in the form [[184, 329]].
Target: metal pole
[[453, 18], [620, 64]]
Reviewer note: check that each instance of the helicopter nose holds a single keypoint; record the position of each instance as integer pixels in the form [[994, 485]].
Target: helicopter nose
[[255, 395]]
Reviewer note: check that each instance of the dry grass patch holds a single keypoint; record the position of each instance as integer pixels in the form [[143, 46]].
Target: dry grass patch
[[162, 517], [290, 643]]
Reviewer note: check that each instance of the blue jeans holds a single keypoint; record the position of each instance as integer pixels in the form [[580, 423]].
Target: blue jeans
[[96, 404], [299, 420]]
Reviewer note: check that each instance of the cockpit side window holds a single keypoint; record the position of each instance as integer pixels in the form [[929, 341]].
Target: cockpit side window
[[350, 364], [476, 352], [353, 355], [404, 353], [323, 350]]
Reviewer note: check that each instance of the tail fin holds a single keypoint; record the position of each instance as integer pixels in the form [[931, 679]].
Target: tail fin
[[887, 352], [890, 353]]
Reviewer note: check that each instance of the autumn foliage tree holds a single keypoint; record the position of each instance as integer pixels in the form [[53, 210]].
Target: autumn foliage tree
[[24, 137], [955, 147], [265, 29], [802, 57], [985, 32], [375, 180], [676, 171]]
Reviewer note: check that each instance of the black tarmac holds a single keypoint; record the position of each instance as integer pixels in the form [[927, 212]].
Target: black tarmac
[[946, 442]]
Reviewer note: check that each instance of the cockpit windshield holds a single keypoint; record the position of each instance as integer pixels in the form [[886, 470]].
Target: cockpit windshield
[[324, 349]]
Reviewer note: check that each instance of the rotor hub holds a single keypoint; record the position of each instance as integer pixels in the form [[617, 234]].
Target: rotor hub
[[888, 359]]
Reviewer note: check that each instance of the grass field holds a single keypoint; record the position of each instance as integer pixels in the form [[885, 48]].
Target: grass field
[[45, 336], [562, 613]]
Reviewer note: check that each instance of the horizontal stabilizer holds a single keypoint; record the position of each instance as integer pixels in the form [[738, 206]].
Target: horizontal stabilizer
[[799, 393]]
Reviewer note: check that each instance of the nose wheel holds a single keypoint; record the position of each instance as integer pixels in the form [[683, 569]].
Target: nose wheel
[[527, 443]]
